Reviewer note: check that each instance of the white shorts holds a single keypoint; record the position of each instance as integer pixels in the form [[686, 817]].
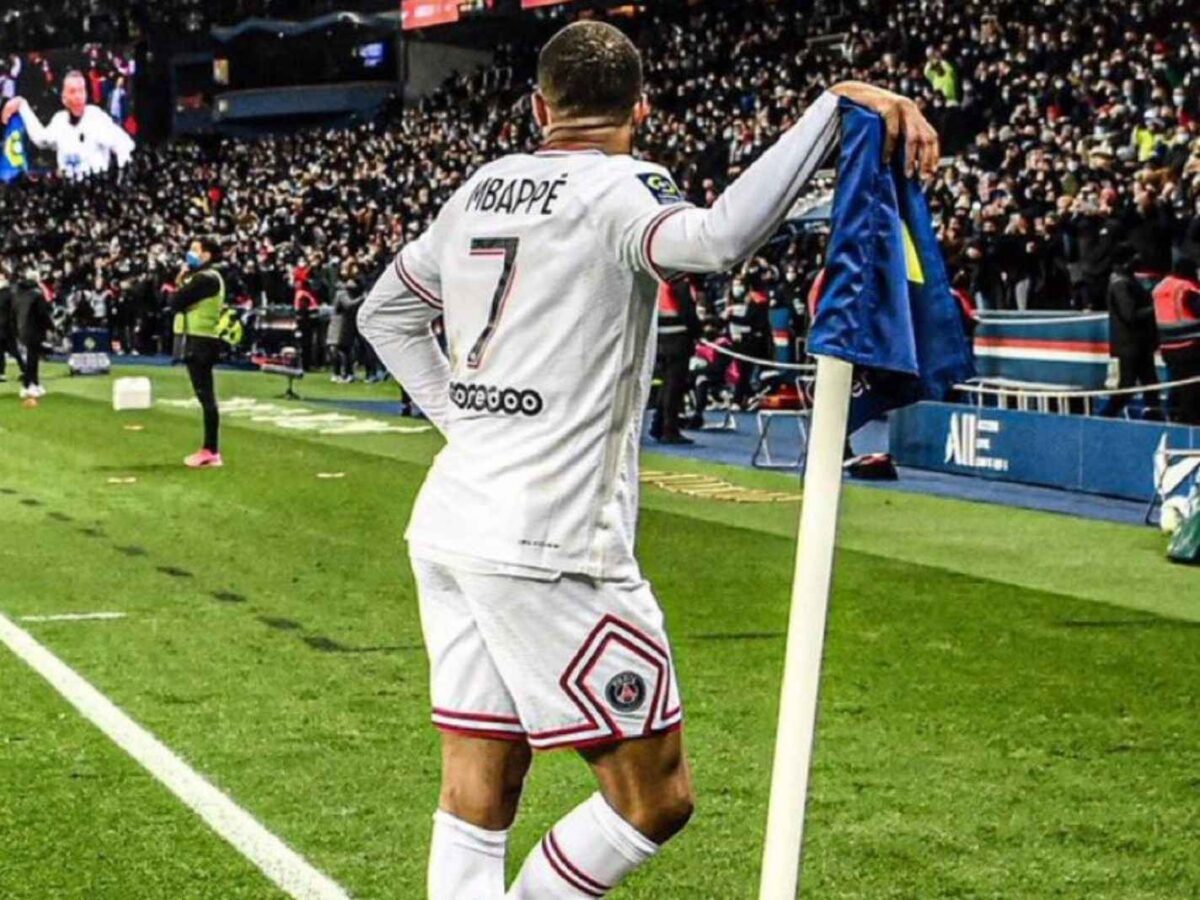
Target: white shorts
[[565, 661]]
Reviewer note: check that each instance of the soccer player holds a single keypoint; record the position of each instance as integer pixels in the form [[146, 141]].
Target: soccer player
[[84, 136], [541, 631]]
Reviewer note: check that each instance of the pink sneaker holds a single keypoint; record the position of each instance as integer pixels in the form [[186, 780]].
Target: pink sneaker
[[204, 459]]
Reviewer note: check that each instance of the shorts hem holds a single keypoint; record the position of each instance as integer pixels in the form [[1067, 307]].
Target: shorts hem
[[510, 736], [587, 743], [481, 725]]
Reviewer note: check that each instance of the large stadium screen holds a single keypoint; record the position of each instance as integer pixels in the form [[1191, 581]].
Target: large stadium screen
[[108, 76]]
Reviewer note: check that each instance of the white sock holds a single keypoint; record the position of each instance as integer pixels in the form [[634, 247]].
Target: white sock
[[585, 855], [465, 862]]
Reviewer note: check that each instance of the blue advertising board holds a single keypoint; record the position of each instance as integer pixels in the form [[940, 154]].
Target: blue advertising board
[[1112, 457]]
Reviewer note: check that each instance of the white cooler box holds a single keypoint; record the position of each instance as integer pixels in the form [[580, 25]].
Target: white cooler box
[[132, 393]]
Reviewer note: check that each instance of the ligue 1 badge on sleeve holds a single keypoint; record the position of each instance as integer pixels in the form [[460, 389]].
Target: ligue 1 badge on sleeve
[[663, 188], [626, 692]]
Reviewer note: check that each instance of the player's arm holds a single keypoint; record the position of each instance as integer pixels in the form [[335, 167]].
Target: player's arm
[[753, 207], [199, 287], [38, 133], [396, 318], [119, 143]]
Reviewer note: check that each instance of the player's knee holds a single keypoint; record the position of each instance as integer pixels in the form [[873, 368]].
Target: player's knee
[[485, 795], [659, 811], [483, 805], [674, 808]]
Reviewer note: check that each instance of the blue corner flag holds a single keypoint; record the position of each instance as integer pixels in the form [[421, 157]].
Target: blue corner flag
[[13, 160], [886, 304]]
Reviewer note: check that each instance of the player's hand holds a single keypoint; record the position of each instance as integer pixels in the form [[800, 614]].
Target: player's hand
[[10, 110], [905, 124]]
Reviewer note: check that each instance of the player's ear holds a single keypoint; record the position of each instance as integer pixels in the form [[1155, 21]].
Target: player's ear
[[541, 110], [641, 111]]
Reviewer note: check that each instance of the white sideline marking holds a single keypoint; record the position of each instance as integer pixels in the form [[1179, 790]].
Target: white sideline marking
[[286, 868], [75, 617]]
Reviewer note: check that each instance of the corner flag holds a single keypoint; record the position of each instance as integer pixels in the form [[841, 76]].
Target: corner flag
[[13, 160], [886, 308], [886, 304]]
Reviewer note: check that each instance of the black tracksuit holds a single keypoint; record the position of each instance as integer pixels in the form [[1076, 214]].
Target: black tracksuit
[[31, 318], [1133, 338]]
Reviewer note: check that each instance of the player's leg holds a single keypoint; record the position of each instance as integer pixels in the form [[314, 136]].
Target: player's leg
[[588, 666], [645, 799], [482, 779], [481, 788], [647, 782], [200, 371], [484, 754]]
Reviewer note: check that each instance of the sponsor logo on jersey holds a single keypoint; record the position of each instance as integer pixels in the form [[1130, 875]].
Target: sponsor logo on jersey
[[626, 692], [503, 401], [662, 187]]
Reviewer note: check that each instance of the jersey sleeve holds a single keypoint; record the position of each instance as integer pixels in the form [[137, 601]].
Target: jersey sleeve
[[417, 265], [629, 211], [682, 238], [396, 318], [39, 134], [118, 141]]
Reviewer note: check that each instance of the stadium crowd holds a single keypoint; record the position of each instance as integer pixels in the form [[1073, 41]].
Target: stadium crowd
[[42, 24], [1072, 131]]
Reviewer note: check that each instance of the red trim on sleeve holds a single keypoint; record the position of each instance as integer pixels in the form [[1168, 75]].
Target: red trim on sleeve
[[425, 295], [648, 238]]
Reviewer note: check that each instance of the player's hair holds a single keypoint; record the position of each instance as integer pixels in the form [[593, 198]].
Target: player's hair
[[209, 245], [590, 69], [73, 73]]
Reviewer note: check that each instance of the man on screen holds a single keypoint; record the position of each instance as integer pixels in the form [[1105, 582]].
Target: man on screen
[[83, 135]]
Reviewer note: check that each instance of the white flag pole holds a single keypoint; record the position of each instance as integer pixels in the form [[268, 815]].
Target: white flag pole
[[806, 631]]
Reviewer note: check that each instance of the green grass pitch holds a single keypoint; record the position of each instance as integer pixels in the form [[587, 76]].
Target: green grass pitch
[[1010, 704]]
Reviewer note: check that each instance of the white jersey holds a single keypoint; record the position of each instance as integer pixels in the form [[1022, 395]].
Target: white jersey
[[545, 268], [83, 147], [548, 327]]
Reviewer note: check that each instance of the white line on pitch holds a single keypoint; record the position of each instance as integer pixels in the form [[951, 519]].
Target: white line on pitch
[[279, 862], [75, 617]]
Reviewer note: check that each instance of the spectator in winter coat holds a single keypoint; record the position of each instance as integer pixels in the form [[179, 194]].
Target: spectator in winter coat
[[1132, 333]]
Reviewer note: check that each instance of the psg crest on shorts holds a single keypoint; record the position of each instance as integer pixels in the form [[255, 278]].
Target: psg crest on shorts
[[626, 692]]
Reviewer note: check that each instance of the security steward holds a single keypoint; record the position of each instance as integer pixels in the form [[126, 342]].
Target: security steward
[[197, 304], [1177, 311], [678, 327]]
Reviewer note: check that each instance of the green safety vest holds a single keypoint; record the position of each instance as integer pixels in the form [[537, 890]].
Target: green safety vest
[[203, 317]]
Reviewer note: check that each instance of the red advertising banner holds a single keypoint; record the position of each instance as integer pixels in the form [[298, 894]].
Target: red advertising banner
[[423, 13], [534, 4]]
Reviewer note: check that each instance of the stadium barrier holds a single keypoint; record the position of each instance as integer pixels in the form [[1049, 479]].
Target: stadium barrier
[[1110, 457]]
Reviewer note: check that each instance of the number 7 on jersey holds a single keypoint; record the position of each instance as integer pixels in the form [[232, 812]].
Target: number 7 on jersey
[[498, 247]]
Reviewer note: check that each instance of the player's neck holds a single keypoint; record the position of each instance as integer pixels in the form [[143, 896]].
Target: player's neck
[[609, 140]]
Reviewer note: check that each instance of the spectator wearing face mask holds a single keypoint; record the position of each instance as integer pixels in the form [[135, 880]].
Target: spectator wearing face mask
[[343, 328], [749, 326]]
